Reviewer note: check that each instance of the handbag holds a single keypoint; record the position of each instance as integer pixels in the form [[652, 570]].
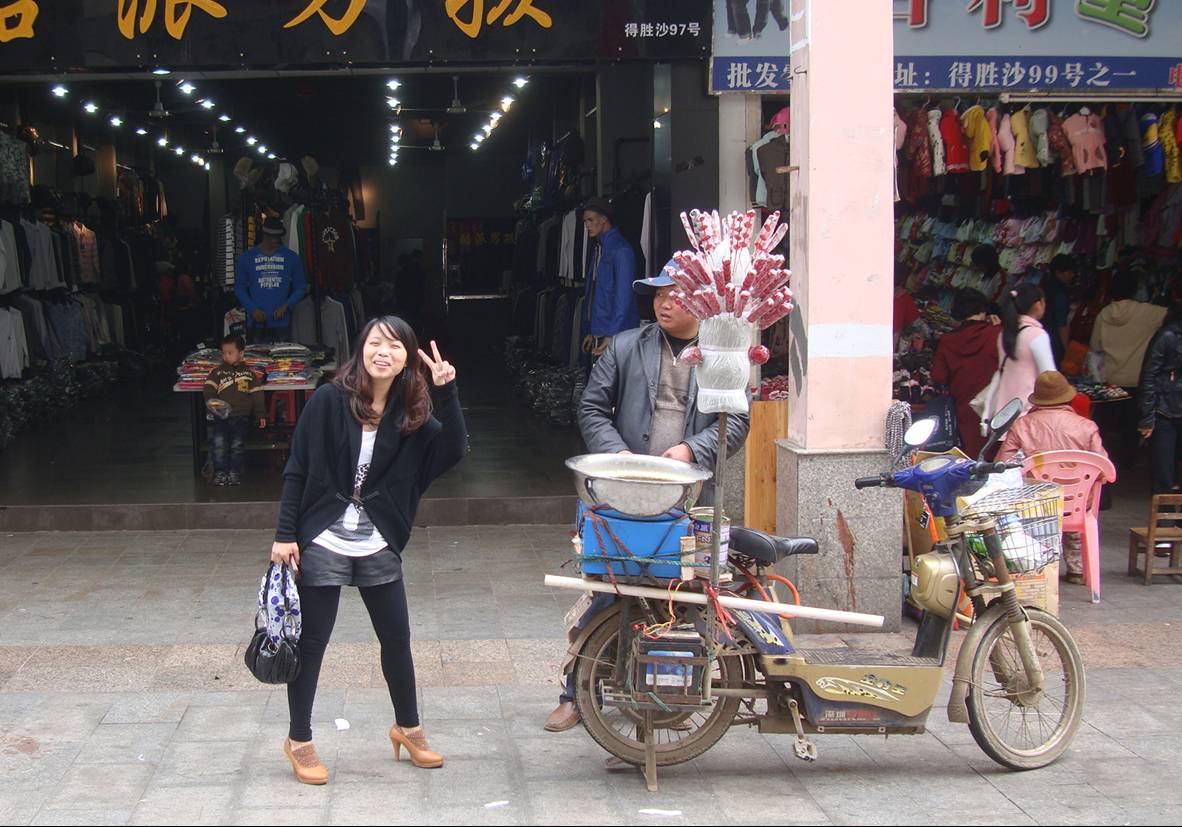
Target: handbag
[[273, 655]]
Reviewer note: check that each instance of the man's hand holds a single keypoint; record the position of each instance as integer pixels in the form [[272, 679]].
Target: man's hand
[[258, 315], [280, 311], [625, 451], [588, 343], [601, 347], [1146, 433], [680, 451]]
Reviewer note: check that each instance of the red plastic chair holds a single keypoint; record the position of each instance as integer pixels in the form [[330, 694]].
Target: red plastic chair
[[1081, 473]]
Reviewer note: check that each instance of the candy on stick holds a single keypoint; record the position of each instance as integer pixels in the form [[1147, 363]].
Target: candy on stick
[[723, 276], [765, 233], [775, 316], [689, 230]]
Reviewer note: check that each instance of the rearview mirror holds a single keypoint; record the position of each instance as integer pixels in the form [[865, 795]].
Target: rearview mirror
[[1004, 418], [919, 433]]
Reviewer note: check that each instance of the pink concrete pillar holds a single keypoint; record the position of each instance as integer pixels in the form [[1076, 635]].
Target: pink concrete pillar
[[842, 221], [842, 260]]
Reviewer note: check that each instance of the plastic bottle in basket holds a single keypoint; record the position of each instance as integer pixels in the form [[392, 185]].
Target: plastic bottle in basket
[[1021, 550]]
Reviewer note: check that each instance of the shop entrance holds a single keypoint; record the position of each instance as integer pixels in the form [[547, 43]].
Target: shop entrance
[[420, 194]]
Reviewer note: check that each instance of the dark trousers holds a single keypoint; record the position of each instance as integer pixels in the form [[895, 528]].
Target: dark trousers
[[777, 10], [388, 612], [228, 444], [1164, 445], [268, 335], [738, 19], [598, 603]]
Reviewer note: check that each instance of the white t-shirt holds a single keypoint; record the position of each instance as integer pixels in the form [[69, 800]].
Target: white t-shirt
[[354, 534]]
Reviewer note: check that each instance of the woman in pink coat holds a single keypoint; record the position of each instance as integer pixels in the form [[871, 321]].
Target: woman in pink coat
[[1024, 348]]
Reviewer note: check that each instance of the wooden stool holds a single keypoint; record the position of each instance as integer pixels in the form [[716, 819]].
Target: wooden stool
[[1165, 507]]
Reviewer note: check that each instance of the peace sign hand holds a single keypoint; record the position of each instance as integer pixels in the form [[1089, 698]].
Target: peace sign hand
[[442, 372]]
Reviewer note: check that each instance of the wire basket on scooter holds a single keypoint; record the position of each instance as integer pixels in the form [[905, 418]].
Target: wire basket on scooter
[[1029, 523]]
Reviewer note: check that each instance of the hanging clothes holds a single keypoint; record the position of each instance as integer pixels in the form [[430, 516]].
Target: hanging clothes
[[956, 153], [773, 156], [939, 165], [981, 137], [1171, 158]]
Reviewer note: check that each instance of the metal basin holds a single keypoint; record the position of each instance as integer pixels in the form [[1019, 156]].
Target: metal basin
[[636, 485]]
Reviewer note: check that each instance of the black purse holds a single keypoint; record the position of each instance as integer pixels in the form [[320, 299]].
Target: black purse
[[274, 658]]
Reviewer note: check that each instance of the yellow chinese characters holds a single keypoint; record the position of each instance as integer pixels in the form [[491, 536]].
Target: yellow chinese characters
[[337, 25], [472, 26], [16, 20], [176, 15]]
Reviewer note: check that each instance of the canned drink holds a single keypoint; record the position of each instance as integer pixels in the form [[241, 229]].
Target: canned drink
[[703, 523]]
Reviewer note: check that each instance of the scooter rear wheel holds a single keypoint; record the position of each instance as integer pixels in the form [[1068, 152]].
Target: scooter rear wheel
[[1017, 728], [680, 737]]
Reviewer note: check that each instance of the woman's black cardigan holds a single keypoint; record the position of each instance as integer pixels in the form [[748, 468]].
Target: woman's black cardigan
[[318, 478]]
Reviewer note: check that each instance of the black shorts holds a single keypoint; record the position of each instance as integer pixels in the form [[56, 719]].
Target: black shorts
[[321, 567]]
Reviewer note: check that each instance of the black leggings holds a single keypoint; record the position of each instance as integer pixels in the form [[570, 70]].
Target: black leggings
[[387, 609]]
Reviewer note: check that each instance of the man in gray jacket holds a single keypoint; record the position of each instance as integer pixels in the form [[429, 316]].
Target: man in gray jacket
[[641, 399]]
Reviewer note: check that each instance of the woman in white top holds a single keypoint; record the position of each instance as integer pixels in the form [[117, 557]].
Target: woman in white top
[[1024, 348]]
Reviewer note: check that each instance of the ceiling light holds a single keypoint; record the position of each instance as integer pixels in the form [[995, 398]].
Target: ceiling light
[[207, 166], [270, 156], [252, 140], [90, 106], [116, 121], [395, 128], [520, 82], [262, 149], [224, 118], [656, 124], [141, 131], [506, 102], [395, 138], [393, 85], [161, 71], [488, 129], [186, 87], [393, 103], [240, 129], [196, 158], [475, 145], [496, 117], [162, 141], [207, 104], [479, 137], [59, 91], [180, 150]]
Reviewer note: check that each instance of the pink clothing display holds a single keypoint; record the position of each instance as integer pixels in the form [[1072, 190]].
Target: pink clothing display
[[1005, 139], [1086, 135]]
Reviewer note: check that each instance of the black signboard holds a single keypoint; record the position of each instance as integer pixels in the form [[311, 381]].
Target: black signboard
[[63, 35]]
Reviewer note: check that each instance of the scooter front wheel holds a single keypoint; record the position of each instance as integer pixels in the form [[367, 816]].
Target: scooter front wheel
[[1018, 726]]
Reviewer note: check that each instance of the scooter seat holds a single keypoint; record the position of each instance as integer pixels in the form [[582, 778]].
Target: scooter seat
[[767, 548]]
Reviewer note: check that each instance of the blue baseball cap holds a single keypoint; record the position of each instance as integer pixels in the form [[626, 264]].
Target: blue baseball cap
[[647, 287]]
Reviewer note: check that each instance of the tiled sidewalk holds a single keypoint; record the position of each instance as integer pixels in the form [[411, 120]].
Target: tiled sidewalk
[[123, 700]]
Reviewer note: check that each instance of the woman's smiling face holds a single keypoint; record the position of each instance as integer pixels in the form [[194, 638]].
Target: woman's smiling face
[[384, 356]]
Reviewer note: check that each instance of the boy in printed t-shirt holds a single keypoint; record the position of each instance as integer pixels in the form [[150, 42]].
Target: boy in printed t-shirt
[[237, 391]]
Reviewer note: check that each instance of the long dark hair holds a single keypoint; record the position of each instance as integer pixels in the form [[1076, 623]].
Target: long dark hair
[[410, 398], [1015, 303]]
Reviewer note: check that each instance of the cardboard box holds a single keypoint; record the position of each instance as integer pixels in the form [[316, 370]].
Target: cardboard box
[[1040, 589]]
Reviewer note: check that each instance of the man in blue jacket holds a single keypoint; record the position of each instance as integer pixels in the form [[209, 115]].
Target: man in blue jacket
[[269, 281], [609, 306]]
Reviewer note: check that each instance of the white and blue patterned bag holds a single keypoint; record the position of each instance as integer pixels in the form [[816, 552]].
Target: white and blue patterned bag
[[273, 653]]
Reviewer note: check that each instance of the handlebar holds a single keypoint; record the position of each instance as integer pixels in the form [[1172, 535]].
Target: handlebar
[[984, 469], [880, 481]]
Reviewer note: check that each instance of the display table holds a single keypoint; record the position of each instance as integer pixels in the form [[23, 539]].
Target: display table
[[198, 410]]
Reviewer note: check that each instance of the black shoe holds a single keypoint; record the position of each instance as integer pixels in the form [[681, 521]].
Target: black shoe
[[220, 480], [233, 479]]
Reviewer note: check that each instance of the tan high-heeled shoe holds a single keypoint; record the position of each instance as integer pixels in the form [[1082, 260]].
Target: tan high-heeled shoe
[[416, 744], [305, 763]]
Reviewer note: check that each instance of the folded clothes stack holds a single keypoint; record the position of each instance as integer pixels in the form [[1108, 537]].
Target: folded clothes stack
[[195, 368]]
